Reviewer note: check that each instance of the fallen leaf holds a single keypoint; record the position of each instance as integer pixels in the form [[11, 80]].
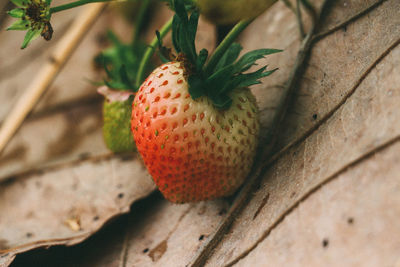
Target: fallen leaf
[[357, 111], [66, 204], [347, 222], [76, 133]]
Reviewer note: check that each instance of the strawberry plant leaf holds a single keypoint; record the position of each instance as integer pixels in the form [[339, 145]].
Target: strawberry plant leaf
[[248, 79], [226, 75], [124, 76], [16, 13], [201, 59], [21, 3], [19, 25], [30, 36], [121, 63], [230, 56], [175, 33], [196, 86], [192, 26], [248, 59]]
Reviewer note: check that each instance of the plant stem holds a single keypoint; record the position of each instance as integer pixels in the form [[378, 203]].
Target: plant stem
[[224, 45], [74, 4], [149, 52]]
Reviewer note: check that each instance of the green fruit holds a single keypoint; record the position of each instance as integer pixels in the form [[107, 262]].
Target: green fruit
[[117, 110], [232, 11]]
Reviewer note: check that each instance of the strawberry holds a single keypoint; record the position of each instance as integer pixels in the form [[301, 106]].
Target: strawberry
[[193, 150], [197, 128], [116, 119]]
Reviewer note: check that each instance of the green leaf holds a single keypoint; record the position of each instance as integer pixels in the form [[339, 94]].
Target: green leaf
[[115, 85], [175, 33], [109, 73], [184, 31], [124, 77], [221, 101], [229, 56], [30, 36], [248, 59], [218, 80], [16, 13], [196, 85], [201, 59], [192, 25], [21, 3], [19, 25], [180, 10], [248, 79], [48, 2]]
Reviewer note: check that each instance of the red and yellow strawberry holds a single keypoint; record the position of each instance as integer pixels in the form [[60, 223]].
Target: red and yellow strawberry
[[196, 127]]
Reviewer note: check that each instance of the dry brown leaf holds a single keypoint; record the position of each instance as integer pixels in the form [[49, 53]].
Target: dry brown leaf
[[348, 222], [165, 235], [359, 112], [67, 204], [75, 134]]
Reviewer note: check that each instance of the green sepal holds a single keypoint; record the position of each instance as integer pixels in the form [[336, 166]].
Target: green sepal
[[48, 2], [175, 33], [196, 86], [121, 62], [222, 101], [19, 25], [230, 56], [248, 59], [115, 85], [201, 59], [21, 3], [227, 75], [124, 77], [30, 36], [247, 79], [16, 13], [184, 30], [163, 52]]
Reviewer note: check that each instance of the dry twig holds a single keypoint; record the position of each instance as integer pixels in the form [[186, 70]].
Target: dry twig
[[49, 71]]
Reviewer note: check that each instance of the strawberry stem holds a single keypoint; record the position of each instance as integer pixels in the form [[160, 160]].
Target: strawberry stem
[[225, 44], [74, 4], [149, 52]]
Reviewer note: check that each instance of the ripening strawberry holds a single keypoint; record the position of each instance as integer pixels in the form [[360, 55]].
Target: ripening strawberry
[[193, 150], [117, 109], [197, 128]]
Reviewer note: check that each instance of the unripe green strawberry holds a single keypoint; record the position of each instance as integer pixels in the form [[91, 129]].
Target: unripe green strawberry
[[117, 109], [193, 150], [232, 11]]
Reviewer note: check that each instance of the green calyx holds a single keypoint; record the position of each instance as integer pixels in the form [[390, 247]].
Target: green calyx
[[215, 82], [121, 63], [33, 16]]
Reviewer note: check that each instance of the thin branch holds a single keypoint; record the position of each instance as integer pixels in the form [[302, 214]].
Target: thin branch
[[74, 4]]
